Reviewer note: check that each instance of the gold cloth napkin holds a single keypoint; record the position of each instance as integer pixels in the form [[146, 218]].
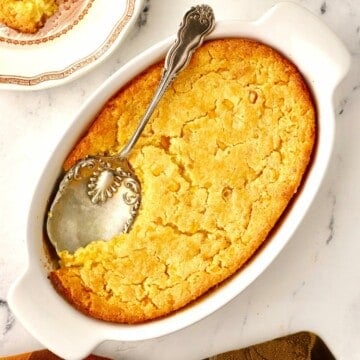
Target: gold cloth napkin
[[299, 346]]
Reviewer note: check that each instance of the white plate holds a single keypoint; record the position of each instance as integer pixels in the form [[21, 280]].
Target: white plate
[[323, 61], [76, 38]]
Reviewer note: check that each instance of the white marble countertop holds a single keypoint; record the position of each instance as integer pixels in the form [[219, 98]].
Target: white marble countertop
[[314, 284]]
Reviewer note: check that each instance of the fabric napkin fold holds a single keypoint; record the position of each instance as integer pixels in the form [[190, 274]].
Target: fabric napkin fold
[[300, 346]]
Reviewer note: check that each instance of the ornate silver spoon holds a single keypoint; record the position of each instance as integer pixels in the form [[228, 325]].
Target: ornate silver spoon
[[99, 197]]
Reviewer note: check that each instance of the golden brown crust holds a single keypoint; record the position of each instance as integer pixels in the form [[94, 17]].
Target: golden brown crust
[[26, 16], [219, 161]]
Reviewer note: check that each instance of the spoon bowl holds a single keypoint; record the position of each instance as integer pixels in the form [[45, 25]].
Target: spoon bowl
[[81, 212]]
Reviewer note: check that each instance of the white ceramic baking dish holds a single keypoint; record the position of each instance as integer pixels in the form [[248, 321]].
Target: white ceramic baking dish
[[323, 61]]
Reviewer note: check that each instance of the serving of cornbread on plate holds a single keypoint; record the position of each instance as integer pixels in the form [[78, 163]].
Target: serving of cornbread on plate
[[219, 161], [26, 16]]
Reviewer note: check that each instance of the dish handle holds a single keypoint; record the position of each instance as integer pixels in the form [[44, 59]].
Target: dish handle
[[55, 330], [315, 45]]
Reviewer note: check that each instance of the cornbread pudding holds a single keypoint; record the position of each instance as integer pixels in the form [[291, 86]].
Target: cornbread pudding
[[26, 16], [219, 161]]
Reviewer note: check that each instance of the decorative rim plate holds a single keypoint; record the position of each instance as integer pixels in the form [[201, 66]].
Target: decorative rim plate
[[81, 34]]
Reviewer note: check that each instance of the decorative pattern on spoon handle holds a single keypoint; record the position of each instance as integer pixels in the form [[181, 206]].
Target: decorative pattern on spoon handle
[[197, 23]]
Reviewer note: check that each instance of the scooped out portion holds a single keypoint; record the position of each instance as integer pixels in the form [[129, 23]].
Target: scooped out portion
[[219, 161]]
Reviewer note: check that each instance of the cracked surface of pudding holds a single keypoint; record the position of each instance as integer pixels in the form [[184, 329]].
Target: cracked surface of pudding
[[219, 161], [26, 16]]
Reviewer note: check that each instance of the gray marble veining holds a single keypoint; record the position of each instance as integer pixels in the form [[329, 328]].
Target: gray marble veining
[[7, 318]]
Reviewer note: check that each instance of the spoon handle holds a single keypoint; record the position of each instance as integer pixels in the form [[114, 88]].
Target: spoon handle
[[197, 22]]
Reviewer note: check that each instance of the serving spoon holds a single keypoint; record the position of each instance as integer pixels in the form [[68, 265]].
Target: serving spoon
[[99, 197]]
